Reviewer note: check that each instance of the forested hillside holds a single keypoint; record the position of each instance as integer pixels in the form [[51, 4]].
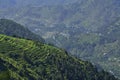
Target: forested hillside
[[11, 28], [88, 29], [25, 59]]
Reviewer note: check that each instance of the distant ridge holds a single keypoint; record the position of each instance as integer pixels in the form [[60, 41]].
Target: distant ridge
[[11, 28]]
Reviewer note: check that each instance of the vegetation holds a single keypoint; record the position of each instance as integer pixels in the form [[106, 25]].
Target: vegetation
[[84, 28], [101, 48], [11, 28], [29, 60]]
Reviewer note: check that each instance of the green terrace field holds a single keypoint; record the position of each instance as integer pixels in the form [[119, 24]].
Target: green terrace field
[[23, 59]]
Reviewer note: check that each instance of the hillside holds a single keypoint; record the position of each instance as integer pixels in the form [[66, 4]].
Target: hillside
[[101, 47], [25, 59], [11, 28], [87, 14], [20, 3], [88, 29]]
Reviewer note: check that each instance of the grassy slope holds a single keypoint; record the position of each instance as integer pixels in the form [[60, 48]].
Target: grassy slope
[[26, 60]]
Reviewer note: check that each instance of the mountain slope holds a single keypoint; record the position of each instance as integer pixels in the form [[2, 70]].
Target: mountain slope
[[102, 47], [20, 3], [11, 28], [82, 28], [88, 14], [29, 60]]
